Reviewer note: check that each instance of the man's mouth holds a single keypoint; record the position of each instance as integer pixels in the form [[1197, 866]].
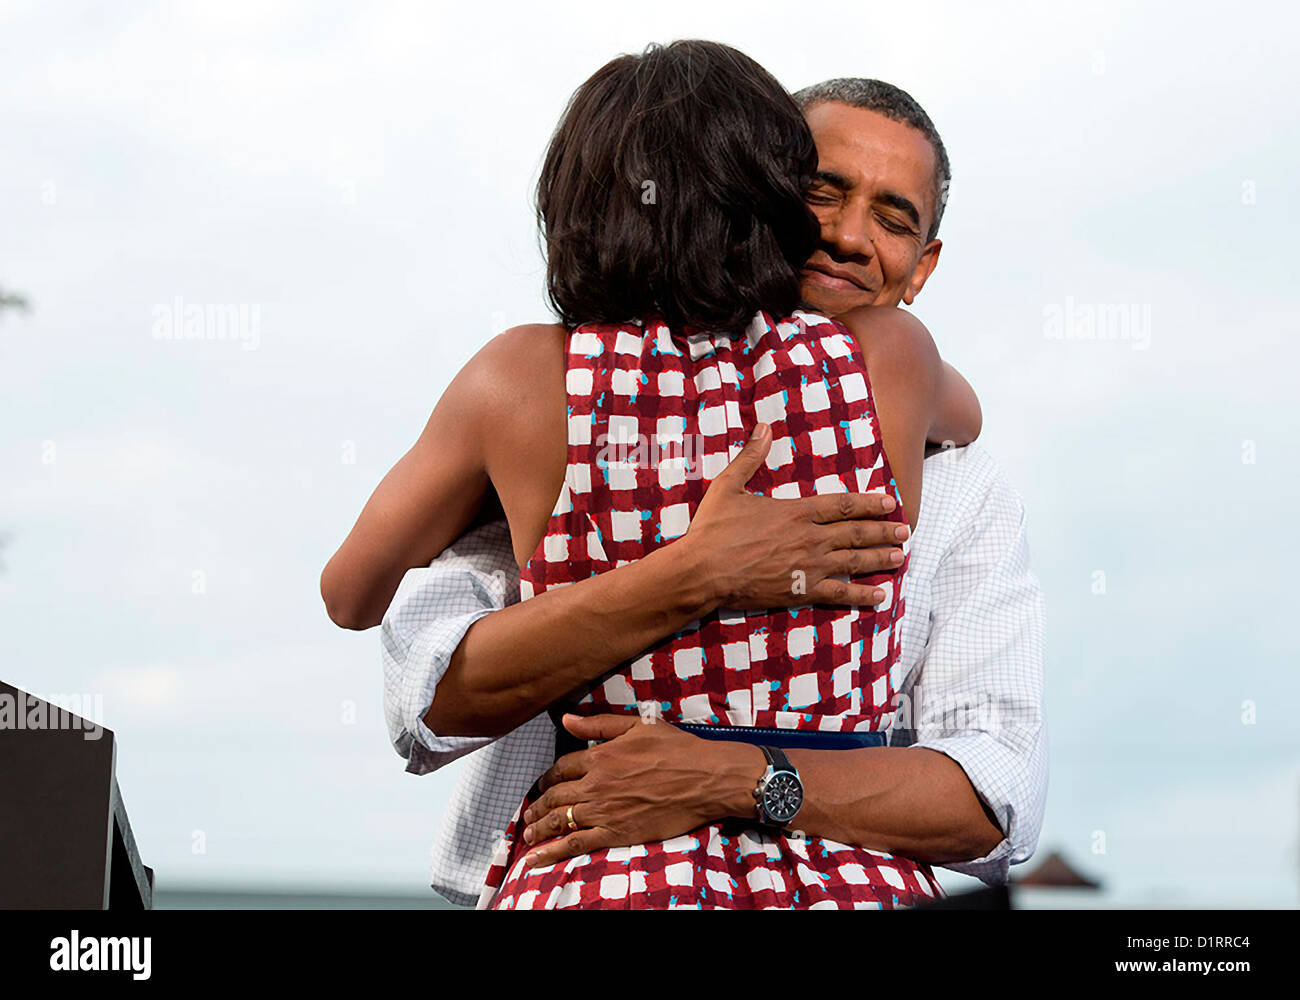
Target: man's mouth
[[835, 278]]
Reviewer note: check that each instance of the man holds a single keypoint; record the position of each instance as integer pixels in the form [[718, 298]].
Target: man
[[963, 780]]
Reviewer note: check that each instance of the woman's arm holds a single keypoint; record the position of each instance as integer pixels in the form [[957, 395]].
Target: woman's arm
[[917, 396], [426, 501], [959, 419], [888, 333]]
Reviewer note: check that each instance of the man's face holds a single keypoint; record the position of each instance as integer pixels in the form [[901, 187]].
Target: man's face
[[874, 197]]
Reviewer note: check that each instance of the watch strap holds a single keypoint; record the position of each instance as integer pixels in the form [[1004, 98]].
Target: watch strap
[[777, 759]]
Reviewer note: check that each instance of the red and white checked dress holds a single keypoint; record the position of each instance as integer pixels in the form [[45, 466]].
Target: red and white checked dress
[[653, 417]]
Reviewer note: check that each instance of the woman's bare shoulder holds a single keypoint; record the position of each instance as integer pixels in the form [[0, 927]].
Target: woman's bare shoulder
[[878, 326], [513, 370], [519, 356], [518, 381]]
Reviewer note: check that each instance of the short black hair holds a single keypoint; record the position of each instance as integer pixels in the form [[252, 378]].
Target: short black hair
[[674, 184], [896, 104]]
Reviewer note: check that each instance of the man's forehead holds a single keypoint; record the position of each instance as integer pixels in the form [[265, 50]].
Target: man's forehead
[[867, 148]]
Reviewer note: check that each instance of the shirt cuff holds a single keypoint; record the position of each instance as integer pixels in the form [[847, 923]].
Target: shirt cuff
[[985, 762], [427, 661]]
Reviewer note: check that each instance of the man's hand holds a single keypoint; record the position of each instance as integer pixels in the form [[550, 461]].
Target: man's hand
[[649, 781], [757, 553]]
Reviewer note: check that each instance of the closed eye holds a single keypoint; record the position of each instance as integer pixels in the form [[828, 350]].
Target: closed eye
[[894, 226]]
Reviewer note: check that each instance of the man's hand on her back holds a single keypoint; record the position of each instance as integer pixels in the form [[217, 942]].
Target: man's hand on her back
[[759, 553]]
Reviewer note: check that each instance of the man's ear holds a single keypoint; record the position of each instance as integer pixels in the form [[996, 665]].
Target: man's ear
[[924, 268]]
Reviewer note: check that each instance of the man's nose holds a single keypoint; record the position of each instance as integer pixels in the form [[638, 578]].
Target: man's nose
[[849, 233]]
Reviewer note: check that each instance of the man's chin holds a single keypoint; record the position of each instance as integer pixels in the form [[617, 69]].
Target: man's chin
[[832, 302]]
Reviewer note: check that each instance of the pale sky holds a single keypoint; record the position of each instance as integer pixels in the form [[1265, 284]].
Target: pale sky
[[357, 179]]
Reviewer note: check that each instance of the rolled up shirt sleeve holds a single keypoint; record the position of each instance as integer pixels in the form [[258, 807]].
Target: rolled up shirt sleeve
[[977, 695], [433, 609]]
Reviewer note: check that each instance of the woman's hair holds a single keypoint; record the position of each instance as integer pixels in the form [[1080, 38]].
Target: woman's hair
[[674, 184]]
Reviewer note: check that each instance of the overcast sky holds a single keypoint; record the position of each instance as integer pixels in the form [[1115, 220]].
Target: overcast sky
[[356, 179]]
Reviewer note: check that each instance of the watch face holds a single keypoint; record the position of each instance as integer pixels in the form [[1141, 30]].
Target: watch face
[[782, 797]]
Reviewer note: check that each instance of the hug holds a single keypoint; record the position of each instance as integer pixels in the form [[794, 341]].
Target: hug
[[675, 682]]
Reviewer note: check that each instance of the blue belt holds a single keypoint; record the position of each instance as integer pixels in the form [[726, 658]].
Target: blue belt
[[788, 739]]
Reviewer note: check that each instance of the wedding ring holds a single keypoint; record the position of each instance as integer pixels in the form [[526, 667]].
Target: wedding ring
[[572, 824]]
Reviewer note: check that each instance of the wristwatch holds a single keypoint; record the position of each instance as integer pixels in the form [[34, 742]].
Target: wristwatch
[[780, 792]]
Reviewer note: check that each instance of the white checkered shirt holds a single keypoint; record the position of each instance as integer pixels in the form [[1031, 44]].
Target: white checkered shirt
[[972, 658]]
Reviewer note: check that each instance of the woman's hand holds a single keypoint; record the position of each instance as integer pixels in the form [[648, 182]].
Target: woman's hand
[[756, 553]]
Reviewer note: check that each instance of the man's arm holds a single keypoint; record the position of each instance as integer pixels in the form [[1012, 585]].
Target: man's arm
[[968, 793], [462, 667], [741, 551], [655, 781]]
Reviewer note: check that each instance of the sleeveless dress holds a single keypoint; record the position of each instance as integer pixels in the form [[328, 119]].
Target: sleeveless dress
[[653, 416]]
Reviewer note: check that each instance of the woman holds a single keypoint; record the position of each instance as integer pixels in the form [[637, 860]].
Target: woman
[[671, 200]]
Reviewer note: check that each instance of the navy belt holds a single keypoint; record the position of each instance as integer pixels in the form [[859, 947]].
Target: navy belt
[[786, 739]]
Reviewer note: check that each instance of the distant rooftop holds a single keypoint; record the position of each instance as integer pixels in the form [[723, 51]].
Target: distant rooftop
[[1057, 873]]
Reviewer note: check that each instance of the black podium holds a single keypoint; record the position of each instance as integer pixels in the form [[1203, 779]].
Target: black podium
[[65, 841]]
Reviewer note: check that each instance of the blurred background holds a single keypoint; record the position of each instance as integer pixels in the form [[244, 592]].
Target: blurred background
[[346, 189]]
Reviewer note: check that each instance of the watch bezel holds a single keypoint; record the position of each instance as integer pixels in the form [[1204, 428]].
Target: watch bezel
[[767, 786]]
